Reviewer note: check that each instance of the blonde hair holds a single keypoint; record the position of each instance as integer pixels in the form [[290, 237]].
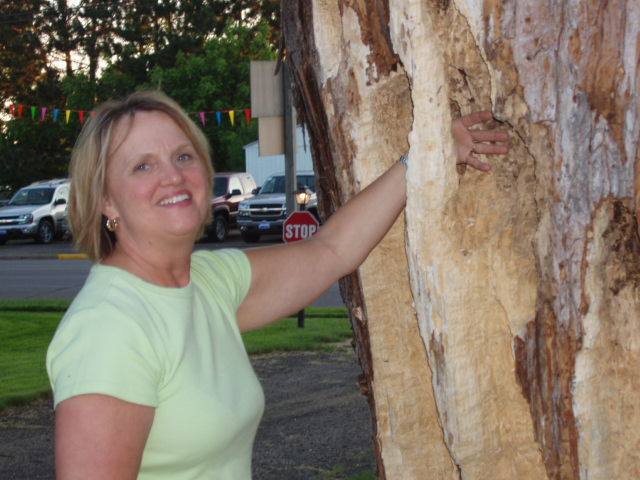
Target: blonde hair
[[88, 166]]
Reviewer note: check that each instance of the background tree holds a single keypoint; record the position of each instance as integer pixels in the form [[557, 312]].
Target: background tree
[[97, 50], [61, 40], [497, 324], [216, 80], [22, 55]]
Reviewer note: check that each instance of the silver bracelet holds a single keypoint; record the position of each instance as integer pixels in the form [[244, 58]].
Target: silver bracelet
[[404, 160]]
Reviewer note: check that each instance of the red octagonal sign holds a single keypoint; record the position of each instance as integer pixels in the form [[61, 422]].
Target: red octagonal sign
[[298, 226]]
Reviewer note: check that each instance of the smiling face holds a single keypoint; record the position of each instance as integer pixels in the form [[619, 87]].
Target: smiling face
[[156, 183]]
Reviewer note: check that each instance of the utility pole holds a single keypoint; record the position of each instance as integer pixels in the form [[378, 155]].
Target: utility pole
[[290, 137]]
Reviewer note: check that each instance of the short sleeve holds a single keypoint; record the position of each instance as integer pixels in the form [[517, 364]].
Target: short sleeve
[[226, 270], [102, 350]]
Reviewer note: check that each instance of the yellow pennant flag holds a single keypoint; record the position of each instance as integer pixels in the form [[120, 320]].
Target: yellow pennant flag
[[232, 116], [68, 114]]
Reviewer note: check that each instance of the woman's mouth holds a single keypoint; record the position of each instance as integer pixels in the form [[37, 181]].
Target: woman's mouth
[[175, 199]]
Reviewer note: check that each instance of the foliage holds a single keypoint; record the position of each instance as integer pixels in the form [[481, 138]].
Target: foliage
[[26, 328], [73, 57], [22, 55], [215, 79], [31, 150]]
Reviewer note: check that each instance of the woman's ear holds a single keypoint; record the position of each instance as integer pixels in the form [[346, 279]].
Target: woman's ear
[[108, 209]]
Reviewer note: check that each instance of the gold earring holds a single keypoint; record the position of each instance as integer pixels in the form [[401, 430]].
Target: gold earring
[[111, 224]]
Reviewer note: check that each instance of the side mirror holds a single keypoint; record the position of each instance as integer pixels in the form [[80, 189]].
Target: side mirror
[[256, 190], [236, 191], [60, 201]]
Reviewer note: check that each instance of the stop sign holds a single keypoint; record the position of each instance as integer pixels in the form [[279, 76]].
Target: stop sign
[[298, 226]]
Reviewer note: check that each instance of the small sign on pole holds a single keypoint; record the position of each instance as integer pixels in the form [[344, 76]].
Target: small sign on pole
[[299, 226]]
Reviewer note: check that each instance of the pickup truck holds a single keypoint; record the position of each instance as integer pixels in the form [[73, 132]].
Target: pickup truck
[[229, 189], [266, 211]]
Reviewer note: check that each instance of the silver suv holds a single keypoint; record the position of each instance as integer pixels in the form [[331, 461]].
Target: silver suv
[[266, 211], [37, 211]]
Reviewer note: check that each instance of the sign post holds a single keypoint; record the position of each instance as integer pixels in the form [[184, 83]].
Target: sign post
[[299, 226]]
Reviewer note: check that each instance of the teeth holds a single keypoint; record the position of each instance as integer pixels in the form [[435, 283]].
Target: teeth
[[176, 199]]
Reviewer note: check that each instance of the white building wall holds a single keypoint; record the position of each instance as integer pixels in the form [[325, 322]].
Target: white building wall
[[262, 167]]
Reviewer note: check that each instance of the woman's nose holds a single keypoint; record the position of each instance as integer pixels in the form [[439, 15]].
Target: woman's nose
[[173, 173]]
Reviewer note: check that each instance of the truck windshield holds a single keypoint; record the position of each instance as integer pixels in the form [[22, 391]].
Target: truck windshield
[[32, 196], [275, 184]]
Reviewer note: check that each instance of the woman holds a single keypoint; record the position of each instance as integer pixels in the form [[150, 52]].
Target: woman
[[150, 376]]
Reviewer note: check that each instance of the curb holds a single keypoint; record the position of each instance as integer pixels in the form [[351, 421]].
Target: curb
[[52, 256], [72, 256]]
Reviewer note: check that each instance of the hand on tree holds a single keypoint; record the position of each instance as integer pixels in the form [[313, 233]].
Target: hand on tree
[[469, 142]]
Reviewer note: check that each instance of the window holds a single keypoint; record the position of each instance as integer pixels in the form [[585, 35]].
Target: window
[[63, 192], [273, 185], [234, 184], [308, 181], [220, 186], [32, 196]]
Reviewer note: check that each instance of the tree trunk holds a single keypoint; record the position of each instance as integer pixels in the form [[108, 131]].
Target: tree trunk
[[498, 323]]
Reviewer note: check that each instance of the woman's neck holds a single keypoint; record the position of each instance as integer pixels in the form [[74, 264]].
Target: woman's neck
[[165, 267]]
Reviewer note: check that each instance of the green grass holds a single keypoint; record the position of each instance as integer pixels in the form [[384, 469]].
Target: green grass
[[34, 305], [320, 333], [360, 462], [26, 328], [339, 473]]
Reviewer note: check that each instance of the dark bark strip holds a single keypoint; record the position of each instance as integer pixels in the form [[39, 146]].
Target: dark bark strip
[[300, 52]]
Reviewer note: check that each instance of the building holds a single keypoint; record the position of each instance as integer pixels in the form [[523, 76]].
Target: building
[[262, 167]]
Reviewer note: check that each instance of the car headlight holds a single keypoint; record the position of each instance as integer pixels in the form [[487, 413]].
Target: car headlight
[[26, 218]]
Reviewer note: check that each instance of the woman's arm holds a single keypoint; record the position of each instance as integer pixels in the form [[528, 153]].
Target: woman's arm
[[287, 278], [100, 437]]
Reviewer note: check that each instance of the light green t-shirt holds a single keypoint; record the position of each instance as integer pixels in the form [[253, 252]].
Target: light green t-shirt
[[176, 349]]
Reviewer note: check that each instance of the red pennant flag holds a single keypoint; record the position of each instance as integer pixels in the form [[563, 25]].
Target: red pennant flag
[[81, 117], [12, 109], [20, 110], [247, 114]]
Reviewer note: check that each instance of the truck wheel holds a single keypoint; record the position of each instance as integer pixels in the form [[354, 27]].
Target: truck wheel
[[220, 229], [45, 232], [250, 237]]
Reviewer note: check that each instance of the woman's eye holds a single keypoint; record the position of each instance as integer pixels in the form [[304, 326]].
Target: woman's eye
[[184, 157], [142, 167]]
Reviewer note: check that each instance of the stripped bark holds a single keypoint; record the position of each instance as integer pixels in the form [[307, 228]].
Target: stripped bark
[[499, 319]]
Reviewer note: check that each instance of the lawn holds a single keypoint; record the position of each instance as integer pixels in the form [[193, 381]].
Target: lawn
[[26, 327]]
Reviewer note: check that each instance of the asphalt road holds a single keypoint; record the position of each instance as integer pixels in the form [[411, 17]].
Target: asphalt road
[[32, 271]]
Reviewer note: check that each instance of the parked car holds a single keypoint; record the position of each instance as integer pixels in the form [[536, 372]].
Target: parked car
[[229, 189], [267, 210], [37, 211]]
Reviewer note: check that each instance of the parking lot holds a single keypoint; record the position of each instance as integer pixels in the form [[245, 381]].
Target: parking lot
[[29, 270]]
